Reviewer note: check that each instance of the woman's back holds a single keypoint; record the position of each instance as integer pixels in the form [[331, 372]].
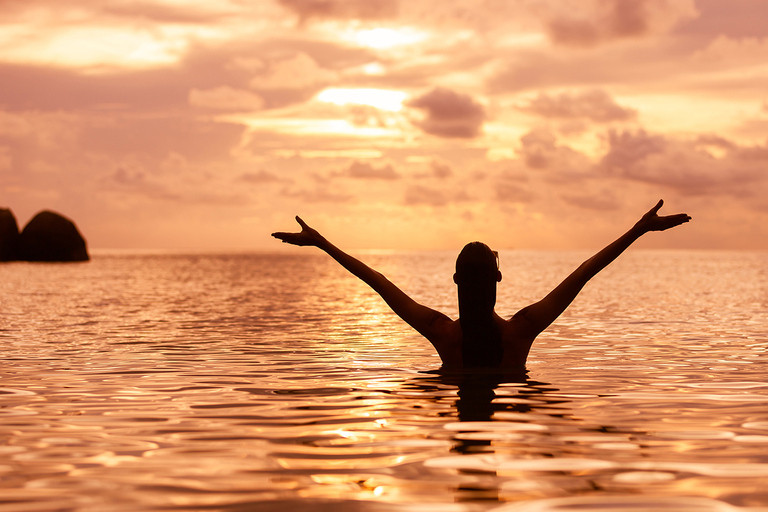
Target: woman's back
[[516, 338]]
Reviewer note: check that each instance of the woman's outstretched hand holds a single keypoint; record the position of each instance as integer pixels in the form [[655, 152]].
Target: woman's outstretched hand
[[307, 236], [651, 221]]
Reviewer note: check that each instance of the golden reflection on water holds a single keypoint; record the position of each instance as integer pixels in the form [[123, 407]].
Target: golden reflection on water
[[211, 382]]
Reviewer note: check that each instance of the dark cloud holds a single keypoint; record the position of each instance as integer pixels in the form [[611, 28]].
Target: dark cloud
[[588, 23], [344, 9], [619, 19], [540, 150], [734, 18], [595, 105], [703, 166], [449, 114], [628, 149], [164, 13]]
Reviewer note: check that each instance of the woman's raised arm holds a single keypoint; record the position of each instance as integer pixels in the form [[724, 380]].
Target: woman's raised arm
[[541, 314], [421, 318]]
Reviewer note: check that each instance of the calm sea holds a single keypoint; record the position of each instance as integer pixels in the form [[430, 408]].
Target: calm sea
[[277, 382]]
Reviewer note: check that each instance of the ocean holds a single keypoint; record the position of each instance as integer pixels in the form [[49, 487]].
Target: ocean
[[275, 382]]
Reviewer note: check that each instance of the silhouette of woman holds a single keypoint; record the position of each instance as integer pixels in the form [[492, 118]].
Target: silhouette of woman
[[480, 337]]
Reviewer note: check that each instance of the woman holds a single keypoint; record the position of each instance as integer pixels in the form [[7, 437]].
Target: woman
[[480, 337]]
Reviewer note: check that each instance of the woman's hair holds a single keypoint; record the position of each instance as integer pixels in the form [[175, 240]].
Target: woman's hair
[[476, 276]]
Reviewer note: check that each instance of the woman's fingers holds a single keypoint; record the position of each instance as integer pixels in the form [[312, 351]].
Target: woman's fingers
[[671, 221], [680, 218], [656, 208], [281, 236], [307, 235]]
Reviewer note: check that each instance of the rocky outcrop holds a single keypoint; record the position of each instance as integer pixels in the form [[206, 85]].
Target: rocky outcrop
[[9, 236], [47, 237]]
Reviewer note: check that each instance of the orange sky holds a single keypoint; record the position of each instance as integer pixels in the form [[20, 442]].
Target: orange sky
[[386, 124]]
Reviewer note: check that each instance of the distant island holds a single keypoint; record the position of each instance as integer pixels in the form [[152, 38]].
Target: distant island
[[49, 236]]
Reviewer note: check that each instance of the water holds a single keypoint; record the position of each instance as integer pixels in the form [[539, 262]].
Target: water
[[278, 382]]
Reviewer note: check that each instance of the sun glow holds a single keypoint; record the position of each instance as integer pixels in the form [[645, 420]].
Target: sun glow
[[383, 38], [380, 98], [93, 47]]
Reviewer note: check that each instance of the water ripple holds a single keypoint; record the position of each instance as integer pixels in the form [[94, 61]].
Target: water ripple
[[254, 382]]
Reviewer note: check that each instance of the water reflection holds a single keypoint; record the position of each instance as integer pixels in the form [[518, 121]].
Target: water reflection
[[183, 383], [497, 412]]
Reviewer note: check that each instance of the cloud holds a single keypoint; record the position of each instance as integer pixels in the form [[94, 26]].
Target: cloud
[[260, 176], [225, 98], [440, 170], [34, 87], [297, 72], [605, 200], [366, 171], [319, 195], [733, 66], [418, 195], [586, 23], [343, 9], [641, 67], [734, 18], [449, 114], [540, 150], [595, 105], [436, 168], [41, 138], [190, 13], [628, 149], [726, 52], [136, 182], [512, 193], [128, 134], [702, 166], [157, 134], [14, 125]]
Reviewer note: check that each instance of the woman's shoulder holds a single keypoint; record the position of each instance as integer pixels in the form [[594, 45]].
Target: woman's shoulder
[[446, 338], [517, 338]]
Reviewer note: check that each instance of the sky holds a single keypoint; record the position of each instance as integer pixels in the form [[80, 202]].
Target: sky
[[387, 124]]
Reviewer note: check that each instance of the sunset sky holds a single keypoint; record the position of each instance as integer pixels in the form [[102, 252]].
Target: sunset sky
[[386, 124]]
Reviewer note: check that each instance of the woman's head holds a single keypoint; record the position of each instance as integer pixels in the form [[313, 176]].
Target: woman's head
[[476, 275], [477, 263]]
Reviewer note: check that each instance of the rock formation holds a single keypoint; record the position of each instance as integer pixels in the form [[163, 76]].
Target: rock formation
[[47, 237], [9, 236]]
